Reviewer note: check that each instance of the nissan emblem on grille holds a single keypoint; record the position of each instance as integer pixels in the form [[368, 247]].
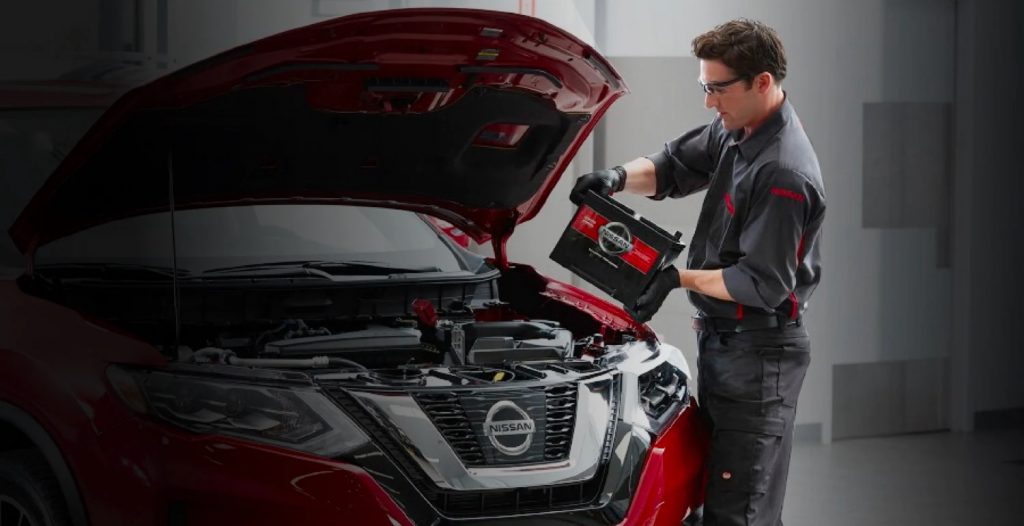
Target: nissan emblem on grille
[[486, 428], [614, 238], [509, 428]]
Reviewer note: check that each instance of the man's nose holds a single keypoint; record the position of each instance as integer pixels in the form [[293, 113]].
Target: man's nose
[[710, 100]]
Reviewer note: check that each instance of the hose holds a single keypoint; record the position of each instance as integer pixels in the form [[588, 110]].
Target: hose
[[215, 355]]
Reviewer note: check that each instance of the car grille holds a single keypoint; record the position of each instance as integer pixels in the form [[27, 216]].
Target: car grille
[[458, 416], [447, 412], [561, 415]]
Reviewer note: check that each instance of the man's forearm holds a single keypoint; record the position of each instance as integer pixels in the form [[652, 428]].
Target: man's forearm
[[706, 282], [640, 179]]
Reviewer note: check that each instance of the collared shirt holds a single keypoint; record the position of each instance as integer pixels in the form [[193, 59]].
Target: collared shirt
[[762, 214]]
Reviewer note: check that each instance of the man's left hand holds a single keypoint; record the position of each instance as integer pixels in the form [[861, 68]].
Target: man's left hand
[[652, 298]]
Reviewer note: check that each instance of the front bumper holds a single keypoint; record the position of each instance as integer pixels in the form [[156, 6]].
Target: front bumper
[[178, 478]]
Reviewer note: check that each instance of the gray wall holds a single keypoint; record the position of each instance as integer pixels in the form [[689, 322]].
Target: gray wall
[[988, 184]]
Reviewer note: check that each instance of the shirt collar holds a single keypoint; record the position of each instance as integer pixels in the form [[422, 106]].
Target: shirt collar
[[751, 146]]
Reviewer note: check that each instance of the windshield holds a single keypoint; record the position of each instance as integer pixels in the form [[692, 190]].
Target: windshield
[[215, 238]]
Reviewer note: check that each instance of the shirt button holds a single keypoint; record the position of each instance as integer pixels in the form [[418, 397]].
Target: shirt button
[[726, 475]]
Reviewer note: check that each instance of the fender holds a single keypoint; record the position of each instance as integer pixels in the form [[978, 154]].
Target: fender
[[28, 426]]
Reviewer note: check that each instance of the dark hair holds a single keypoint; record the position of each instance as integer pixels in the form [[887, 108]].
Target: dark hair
[[748, 47]]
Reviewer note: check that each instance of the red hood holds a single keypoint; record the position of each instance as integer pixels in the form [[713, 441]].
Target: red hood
[[466, 114]]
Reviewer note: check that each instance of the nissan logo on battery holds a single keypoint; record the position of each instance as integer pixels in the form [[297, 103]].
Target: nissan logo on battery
[[614, 238], [509, 428]]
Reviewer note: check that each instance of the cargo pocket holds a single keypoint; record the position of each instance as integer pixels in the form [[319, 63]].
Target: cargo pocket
[[743, 457], [743, 452]]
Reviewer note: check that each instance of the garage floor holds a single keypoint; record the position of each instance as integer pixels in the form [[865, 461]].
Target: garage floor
[[929, 479]]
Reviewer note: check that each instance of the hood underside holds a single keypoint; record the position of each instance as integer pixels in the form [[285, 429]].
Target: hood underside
[[469, 115]]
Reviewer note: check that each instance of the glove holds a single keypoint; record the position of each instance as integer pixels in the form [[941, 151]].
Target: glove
[[654, 295], [604, 182]]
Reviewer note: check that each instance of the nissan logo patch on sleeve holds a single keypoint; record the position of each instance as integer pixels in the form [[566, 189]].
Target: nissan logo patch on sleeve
[[614, 249]]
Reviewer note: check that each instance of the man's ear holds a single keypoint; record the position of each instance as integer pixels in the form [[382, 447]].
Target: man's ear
[[763, 81]]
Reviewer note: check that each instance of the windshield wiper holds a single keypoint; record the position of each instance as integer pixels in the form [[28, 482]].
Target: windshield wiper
[[320, 267], [110, 270], [355, 266]]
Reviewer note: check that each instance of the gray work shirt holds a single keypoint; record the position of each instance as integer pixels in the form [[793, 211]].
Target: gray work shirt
[[762, 214]]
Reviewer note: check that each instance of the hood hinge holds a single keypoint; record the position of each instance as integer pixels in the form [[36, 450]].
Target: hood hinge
[[500, 253], [500, 240]]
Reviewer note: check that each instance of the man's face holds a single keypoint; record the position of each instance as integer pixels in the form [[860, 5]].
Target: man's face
[[737, 103]]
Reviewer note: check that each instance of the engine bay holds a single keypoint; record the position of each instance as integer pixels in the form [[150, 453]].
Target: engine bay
[[446, 333], [453, 346]]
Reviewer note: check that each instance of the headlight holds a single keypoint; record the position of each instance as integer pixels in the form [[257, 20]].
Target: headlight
[[661, 389], [298, 418], [654, 383]]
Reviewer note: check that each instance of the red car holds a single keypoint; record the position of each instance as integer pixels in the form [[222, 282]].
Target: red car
[[230, 303]]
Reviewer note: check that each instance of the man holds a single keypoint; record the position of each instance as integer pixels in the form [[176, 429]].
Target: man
[[752, 264]]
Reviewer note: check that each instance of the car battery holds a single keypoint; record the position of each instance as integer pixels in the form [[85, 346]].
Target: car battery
[[615, 249]]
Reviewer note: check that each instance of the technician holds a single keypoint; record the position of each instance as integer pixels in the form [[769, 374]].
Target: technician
[[751, 266]]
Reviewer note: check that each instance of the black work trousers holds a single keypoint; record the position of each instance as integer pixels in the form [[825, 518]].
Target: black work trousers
[[748, 384]]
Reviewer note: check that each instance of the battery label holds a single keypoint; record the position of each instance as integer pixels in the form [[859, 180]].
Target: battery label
[[614, 239]]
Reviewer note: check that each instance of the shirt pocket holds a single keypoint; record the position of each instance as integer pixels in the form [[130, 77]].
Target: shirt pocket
[[722, 223], [730, 226]]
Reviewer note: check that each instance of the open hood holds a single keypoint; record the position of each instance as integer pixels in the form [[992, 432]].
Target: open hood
[[465, 114]]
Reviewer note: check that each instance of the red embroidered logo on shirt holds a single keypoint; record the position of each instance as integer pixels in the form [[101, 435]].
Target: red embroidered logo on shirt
[[782, 192], [728, 204]]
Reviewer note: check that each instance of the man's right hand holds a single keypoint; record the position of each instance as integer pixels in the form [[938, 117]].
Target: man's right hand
[[604, 182]]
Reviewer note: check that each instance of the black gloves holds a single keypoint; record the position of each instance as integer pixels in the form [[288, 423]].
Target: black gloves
[[650, 301], [604, 182]]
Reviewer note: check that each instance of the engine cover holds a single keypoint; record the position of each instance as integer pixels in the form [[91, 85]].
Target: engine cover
[[516, 341]]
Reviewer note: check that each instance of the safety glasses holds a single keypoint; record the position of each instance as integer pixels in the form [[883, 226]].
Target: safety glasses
[[717, 88]]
